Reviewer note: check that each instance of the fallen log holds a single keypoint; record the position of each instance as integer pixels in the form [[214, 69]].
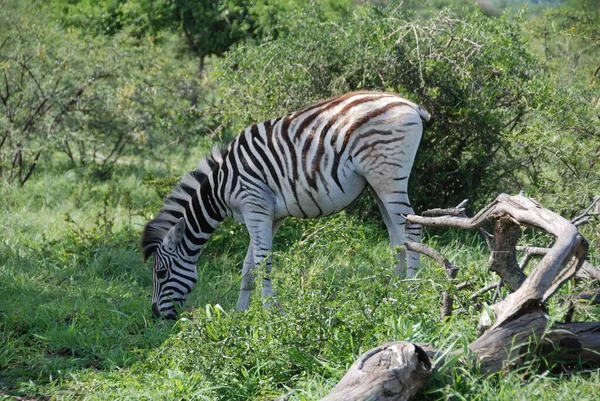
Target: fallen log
[[397, 371]]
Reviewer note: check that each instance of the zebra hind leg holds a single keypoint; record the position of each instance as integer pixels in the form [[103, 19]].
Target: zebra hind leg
[[394, 240], [414, 233], [394, 205]]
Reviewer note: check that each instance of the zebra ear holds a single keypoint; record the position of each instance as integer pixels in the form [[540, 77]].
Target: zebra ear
[[174, 236]]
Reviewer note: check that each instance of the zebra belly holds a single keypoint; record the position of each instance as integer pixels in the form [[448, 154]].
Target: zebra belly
[[309, 202]]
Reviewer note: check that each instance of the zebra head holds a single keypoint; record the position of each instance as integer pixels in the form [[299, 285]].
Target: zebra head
[[174, 275]]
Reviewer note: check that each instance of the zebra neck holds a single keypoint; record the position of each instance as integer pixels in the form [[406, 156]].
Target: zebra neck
[[202, 216]]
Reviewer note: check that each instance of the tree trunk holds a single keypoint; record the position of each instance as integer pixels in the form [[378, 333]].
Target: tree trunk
[[503, 259]]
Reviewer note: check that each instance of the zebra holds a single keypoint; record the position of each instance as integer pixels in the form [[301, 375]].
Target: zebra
[[310, 163]]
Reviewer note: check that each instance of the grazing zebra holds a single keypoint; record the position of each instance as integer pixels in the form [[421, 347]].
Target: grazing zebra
[[310, 163]]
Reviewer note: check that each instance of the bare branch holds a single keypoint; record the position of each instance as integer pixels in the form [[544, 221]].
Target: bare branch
[[533, 250], [457, 222], [463, 285], [115, 148], [32, 167], [489, 238], [25, 67], [458, 211], [483, 290], [69, 152], [585, 217], [4, 98], [558, 266], [451, 271], [40, 110], [444, 212], [432, 253], [525, 261], [587, 269], [4, 136]]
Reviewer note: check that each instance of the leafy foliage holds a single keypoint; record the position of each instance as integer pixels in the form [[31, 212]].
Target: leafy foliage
[[475, 76], [93, 98], [561, 142], [206, 27], [515, 103]]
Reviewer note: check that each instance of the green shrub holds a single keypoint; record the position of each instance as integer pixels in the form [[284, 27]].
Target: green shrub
[[94, 99], [474, 74], [561, 142]]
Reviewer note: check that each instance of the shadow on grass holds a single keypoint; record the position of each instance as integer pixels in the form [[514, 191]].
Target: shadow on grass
[[63, 312]]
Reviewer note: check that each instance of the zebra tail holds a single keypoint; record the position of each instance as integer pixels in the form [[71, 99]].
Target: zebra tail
[[425, 116]]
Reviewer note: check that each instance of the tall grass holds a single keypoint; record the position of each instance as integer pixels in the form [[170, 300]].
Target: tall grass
[[75, 320]]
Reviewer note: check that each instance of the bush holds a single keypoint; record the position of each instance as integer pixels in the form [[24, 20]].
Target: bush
[[94, 99], [562, 139], [474, 74]]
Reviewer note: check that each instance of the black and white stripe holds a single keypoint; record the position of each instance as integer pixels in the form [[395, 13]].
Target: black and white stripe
[[310, 163]]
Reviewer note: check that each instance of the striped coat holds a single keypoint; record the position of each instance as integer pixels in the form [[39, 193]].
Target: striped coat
[[310, 163]]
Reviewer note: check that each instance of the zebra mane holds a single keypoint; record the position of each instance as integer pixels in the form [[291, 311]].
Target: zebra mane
[[174, 206]]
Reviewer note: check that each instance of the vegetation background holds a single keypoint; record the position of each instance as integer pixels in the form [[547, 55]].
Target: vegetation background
[[105, 104]]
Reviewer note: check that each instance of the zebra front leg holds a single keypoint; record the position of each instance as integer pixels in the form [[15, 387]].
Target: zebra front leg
[[260, 230], [267, 289], [247, 281]]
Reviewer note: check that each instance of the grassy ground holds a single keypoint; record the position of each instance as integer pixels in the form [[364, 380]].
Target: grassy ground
[[75, 319]]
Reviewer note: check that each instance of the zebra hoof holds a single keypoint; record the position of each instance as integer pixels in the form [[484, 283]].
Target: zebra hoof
[[271, 303]]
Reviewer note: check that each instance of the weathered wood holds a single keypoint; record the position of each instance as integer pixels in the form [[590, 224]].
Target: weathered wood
[[503, 344], [573, 343], [453, 211], [569, 249], [587, 270], [587, 215], [394, 371], [503, 258], [521, 314], [483, 290], [397, 371], [458, 210]]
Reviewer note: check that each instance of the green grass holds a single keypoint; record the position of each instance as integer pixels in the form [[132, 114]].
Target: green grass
[[75, 319]]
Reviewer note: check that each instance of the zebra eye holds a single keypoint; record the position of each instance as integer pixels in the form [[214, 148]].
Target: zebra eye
[[161, 273]]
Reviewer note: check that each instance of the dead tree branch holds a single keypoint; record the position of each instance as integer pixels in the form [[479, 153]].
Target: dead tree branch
[[483, 290], [451, 271], [587, 214], [587, 270], [522, 311], [396, 371]]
